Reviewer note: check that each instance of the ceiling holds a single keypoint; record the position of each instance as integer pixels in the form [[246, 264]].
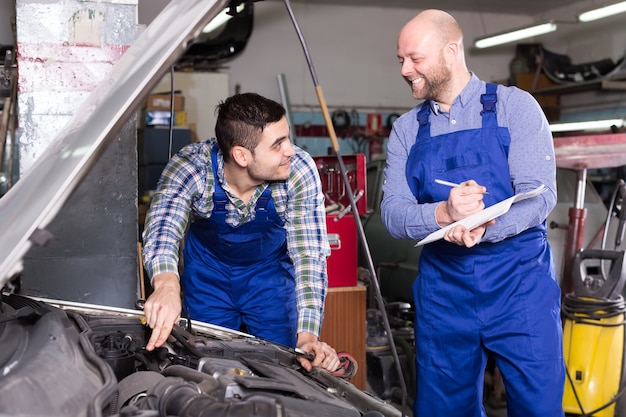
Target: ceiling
[[525, 7]]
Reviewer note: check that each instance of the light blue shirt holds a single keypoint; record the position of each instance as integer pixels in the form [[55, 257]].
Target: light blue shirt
[[531, 162]]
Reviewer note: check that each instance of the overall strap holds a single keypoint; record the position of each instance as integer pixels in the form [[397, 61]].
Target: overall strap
[[488, 101], [219, 196], [423, 113], [220, 200], [264, 202], [423, 119]]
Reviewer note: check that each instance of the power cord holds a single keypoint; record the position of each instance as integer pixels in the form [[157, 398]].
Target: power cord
[[592, 310]]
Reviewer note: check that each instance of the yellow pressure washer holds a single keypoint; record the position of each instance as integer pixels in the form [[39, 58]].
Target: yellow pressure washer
[[593, 333]]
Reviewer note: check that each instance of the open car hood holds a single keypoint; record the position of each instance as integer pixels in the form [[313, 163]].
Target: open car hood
[[32, 203]]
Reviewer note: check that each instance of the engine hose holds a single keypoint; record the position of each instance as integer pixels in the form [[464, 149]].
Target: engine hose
[[179, 334], [205, 382], [176, 397]]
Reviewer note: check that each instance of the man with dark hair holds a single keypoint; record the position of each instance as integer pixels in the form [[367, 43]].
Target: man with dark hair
[[256, 246], [491, 290]]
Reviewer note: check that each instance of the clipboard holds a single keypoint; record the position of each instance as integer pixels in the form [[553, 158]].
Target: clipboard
[[483, 216]]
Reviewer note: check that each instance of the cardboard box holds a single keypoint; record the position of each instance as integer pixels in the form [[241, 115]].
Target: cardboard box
[[342, 264], [163, 102]]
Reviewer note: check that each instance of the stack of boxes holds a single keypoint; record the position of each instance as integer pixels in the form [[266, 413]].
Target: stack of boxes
[[159, 107], [154, 139]]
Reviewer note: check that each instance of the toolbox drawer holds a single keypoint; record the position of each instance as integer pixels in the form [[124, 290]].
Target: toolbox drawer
[[343, 260]]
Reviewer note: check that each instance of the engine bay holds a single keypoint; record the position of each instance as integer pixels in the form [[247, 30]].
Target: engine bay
[[71, 361]]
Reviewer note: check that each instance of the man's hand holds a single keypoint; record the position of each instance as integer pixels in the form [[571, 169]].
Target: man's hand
[[464, 237], [162, 309], [325, 356], [463, 201]]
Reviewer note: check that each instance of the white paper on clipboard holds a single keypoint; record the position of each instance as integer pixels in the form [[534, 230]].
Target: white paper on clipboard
[[483, 216]]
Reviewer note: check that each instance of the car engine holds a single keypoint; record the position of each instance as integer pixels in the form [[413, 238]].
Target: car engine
[[61, 359]]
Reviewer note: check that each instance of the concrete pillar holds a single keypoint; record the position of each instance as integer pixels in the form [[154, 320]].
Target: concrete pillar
[[64, 49]]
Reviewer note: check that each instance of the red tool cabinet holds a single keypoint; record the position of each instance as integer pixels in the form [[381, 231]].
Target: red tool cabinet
[[342, 264], [334, 189], [340, 224]]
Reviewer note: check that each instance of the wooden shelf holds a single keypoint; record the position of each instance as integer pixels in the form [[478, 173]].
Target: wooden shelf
[[580, 87], [548, 93]]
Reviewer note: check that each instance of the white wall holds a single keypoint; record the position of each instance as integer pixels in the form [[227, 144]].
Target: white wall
[[353, 51]]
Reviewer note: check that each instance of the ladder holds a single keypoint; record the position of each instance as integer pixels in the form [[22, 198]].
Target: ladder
[[8, 99]]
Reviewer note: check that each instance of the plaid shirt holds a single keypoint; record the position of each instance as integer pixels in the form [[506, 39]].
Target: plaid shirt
[[185, 191]]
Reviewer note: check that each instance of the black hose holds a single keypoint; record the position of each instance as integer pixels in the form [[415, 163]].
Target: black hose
[[178, 334], [357, 219], [591, 310], [205, 382]]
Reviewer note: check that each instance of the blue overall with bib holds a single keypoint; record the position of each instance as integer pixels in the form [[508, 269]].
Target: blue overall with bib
[[500, 298], [236, 275]]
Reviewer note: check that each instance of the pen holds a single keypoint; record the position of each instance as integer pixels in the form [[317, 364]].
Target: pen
[[450, 184]]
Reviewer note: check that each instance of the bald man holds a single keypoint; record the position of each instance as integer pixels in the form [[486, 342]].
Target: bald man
[[492, 289]]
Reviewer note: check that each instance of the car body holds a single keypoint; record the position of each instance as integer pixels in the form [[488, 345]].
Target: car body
[[62, 358]]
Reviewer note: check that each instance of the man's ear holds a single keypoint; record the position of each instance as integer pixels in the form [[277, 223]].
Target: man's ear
[[451, 50], [240, 155]]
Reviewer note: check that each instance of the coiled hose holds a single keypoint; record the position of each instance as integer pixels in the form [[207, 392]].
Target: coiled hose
[[592, 310]]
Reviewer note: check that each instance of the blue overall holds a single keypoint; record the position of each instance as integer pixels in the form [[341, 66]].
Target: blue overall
[[501, 297], [241, 275]]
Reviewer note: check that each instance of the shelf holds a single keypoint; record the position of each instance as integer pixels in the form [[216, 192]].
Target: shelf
[[591, 151], [591, 85]]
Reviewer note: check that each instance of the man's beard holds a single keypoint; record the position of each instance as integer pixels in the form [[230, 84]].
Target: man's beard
[[435, 85]]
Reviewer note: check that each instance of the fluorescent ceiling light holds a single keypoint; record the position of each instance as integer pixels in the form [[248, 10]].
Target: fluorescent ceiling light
[[590, 125], [515, 35], [221, 19], [602, 12]]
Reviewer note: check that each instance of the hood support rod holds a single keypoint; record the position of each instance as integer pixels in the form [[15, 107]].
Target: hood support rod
[[342, 167]]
